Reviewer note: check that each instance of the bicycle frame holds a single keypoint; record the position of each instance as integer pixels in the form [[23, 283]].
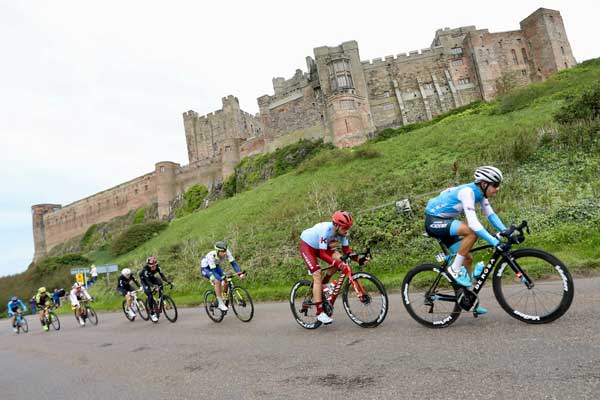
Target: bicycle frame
[[346, 272]]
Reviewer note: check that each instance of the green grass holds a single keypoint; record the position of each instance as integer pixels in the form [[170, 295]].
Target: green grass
[[552, 186]]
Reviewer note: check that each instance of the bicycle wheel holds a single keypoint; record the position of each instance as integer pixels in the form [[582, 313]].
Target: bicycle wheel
[[303, 309], [547, 299], [429, 297], [124, 306], [211, 305], [22, 326], [54, 321], [242, 305], [365, 300], [147, 305], [169, 308], [92, 316], [142, 310]]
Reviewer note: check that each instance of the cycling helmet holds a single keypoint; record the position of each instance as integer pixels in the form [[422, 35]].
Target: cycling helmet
[[342, 219], [488, 174], [221, 246], [151, 260], [14, 299], [42, 290], [76, 285], [126, 272]]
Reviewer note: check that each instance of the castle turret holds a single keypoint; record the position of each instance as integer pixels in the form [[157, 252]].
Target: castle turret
[[39, 228], [344, 87], [166, 187], [547, 42]]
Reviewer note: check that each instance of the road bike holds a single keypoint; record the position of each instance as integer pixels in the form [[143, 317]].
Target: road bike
[[163, 304], [235, 297], [51, 319], [364, 297], [531, 285], [137, 306], [21, 323], [87, 312]]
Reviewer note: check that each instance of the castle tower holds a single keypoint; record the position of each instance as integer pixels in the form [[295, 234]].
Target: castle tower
[[345, 89], [166, 188], [547, 43], [39, 229], [230, 156], [189, 125]]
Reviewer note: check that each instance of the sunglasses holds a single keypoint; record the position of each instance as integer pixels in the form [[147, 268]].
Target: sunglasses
[[495, 184]]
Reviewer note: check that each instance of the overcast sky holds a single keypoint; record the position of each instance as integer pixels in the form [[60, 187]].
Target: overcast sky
[[91, 95]]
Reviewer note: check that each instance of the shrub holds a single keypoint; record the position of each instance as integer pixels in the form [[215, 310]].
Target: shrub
[[193, 198], [87, 236], [583, 107], [139, 215], [135, 236]]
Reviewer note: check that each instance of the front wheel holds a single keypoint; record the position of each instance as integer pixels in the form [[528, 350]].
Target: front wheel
[[365, 300], [546, 297], [92, 316], [211, 305], [124, 306], [303, 309], [142, 310], [54, 321], [242, 305], [22, 325], [169, 308], [429, 297]]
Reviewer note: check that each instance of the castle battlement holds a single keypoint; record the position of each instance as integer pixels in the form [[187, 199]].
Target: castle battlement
[[340, 99]]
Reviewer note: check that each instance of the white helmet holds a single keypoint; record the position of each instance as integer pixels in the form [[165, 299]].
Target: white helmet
[[488, 174], [126, 272]]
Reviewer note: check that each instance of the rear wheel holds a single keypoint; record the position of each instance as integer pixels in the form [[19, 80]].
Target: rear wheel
[[211, 305], [53, 321], [429, 297], [169, 308], [242, 305], [303, 309], [22, 325], [365, 300], [550, 291], [142, 310], [124, 306], [92, 316]]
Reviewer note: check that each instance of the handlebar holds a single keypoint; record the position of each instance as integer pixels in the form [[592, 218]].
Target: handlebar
[[366, 255]]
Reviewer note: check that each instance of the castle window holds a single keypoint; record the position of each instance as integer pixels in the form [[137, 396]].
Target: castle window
[[347, 104], [464, 81], [524, 72], [146, 187], [551, 18], [135, 191], [227, 148], [524, 53], [457, 62], [428, 85], [566, 65], [339, 75], [162, 168], [388, 106], [386, 93], [562, 50], [514, 55], [456, 51]]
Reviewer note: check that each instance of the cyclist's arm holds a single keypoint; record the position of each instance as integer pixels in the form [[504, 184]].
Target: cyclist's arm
[[23, 306], [467, 198], [87, 295], [492, 216], [135, 281], [8, 308]]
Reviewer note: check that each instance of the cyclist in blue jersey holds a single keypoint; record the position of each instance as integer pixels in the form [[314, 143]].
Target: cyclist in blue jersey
[[316, 243], [15, 305], [210, 268], [460, 236]]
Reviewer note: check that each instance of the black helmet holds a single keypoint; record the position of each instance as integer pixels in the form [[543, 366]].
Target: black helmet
[[221, 246]]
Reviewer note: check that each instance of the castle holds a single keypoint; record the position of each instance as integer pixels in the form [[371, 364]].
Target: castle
[[340, 99]]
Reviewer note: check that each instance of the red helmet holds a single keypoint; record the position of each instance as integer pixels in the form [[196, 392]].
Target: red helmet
[[151, 260], [342, 219]]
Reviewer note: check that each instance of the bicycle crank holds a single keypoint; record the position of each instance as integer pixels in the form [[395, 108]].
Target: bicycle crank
[[467, 299]]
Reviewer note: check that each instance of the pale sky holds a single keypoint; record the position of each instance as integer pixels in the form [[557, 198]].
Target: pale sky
[[91, 95]]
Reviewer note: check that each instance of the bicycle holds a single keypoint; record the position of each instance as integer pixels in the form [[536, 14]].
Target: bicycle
[[164, 304], [137, 306], [88, 313], [51, 319], [434, 300], [236, 296], [21, 323], [369, 310]]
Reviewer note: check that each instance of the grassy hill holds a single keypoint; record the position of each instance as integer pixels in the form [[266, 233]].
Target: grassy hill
[[552, 180]]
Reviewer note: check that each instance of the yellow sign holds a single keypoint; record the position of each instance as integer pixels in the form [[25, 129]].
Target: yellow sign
[[79, 278]]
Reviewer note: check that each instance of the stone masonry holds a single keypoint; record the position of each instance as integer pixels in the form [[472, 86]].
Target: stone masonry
[[340, 99]]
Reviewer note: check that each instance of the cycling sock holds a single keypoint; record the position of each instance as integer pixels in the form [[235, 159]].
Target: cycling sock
[[319, 307], [457, 263]]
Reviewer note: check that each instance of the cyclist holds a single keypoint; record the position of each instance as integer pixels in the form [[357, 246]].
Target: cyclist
[[460, 236], [210, 268], [124, 288], [316, 243], [44, 301], [15, 306], [148, 278], [77, 293]]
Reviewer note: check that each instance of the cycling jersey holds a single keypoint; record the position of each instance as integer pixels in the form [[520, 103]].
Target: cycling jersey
[[42, 300], [124, 282], [76, 294], [13, 307], [211, 264], [317, 241], [147, 275], [461, 199]]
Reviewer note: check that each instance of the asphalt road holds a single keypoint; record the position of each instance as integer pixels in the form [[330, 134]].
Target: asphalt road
[[492, 357]]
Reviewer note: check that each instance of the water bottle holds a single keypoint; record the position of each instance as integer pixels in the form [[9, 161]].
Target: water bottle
[[478, 270], [328, 290]]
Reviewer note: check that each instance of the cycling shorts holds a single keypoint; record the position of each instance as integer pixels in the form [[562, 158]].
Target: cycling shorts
[[212, 274], [444, 229], [310, 255], [123, 290]]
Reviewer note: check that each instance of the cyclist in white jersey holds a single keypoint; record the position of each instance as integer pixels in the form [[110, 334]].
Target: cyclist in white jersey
[[210, 267], [460, 236]]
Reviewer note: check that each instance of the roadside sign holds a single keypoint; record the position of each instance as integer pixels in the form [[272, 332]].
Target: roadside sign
[[79, 270], [79, 278], [101, 269]]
